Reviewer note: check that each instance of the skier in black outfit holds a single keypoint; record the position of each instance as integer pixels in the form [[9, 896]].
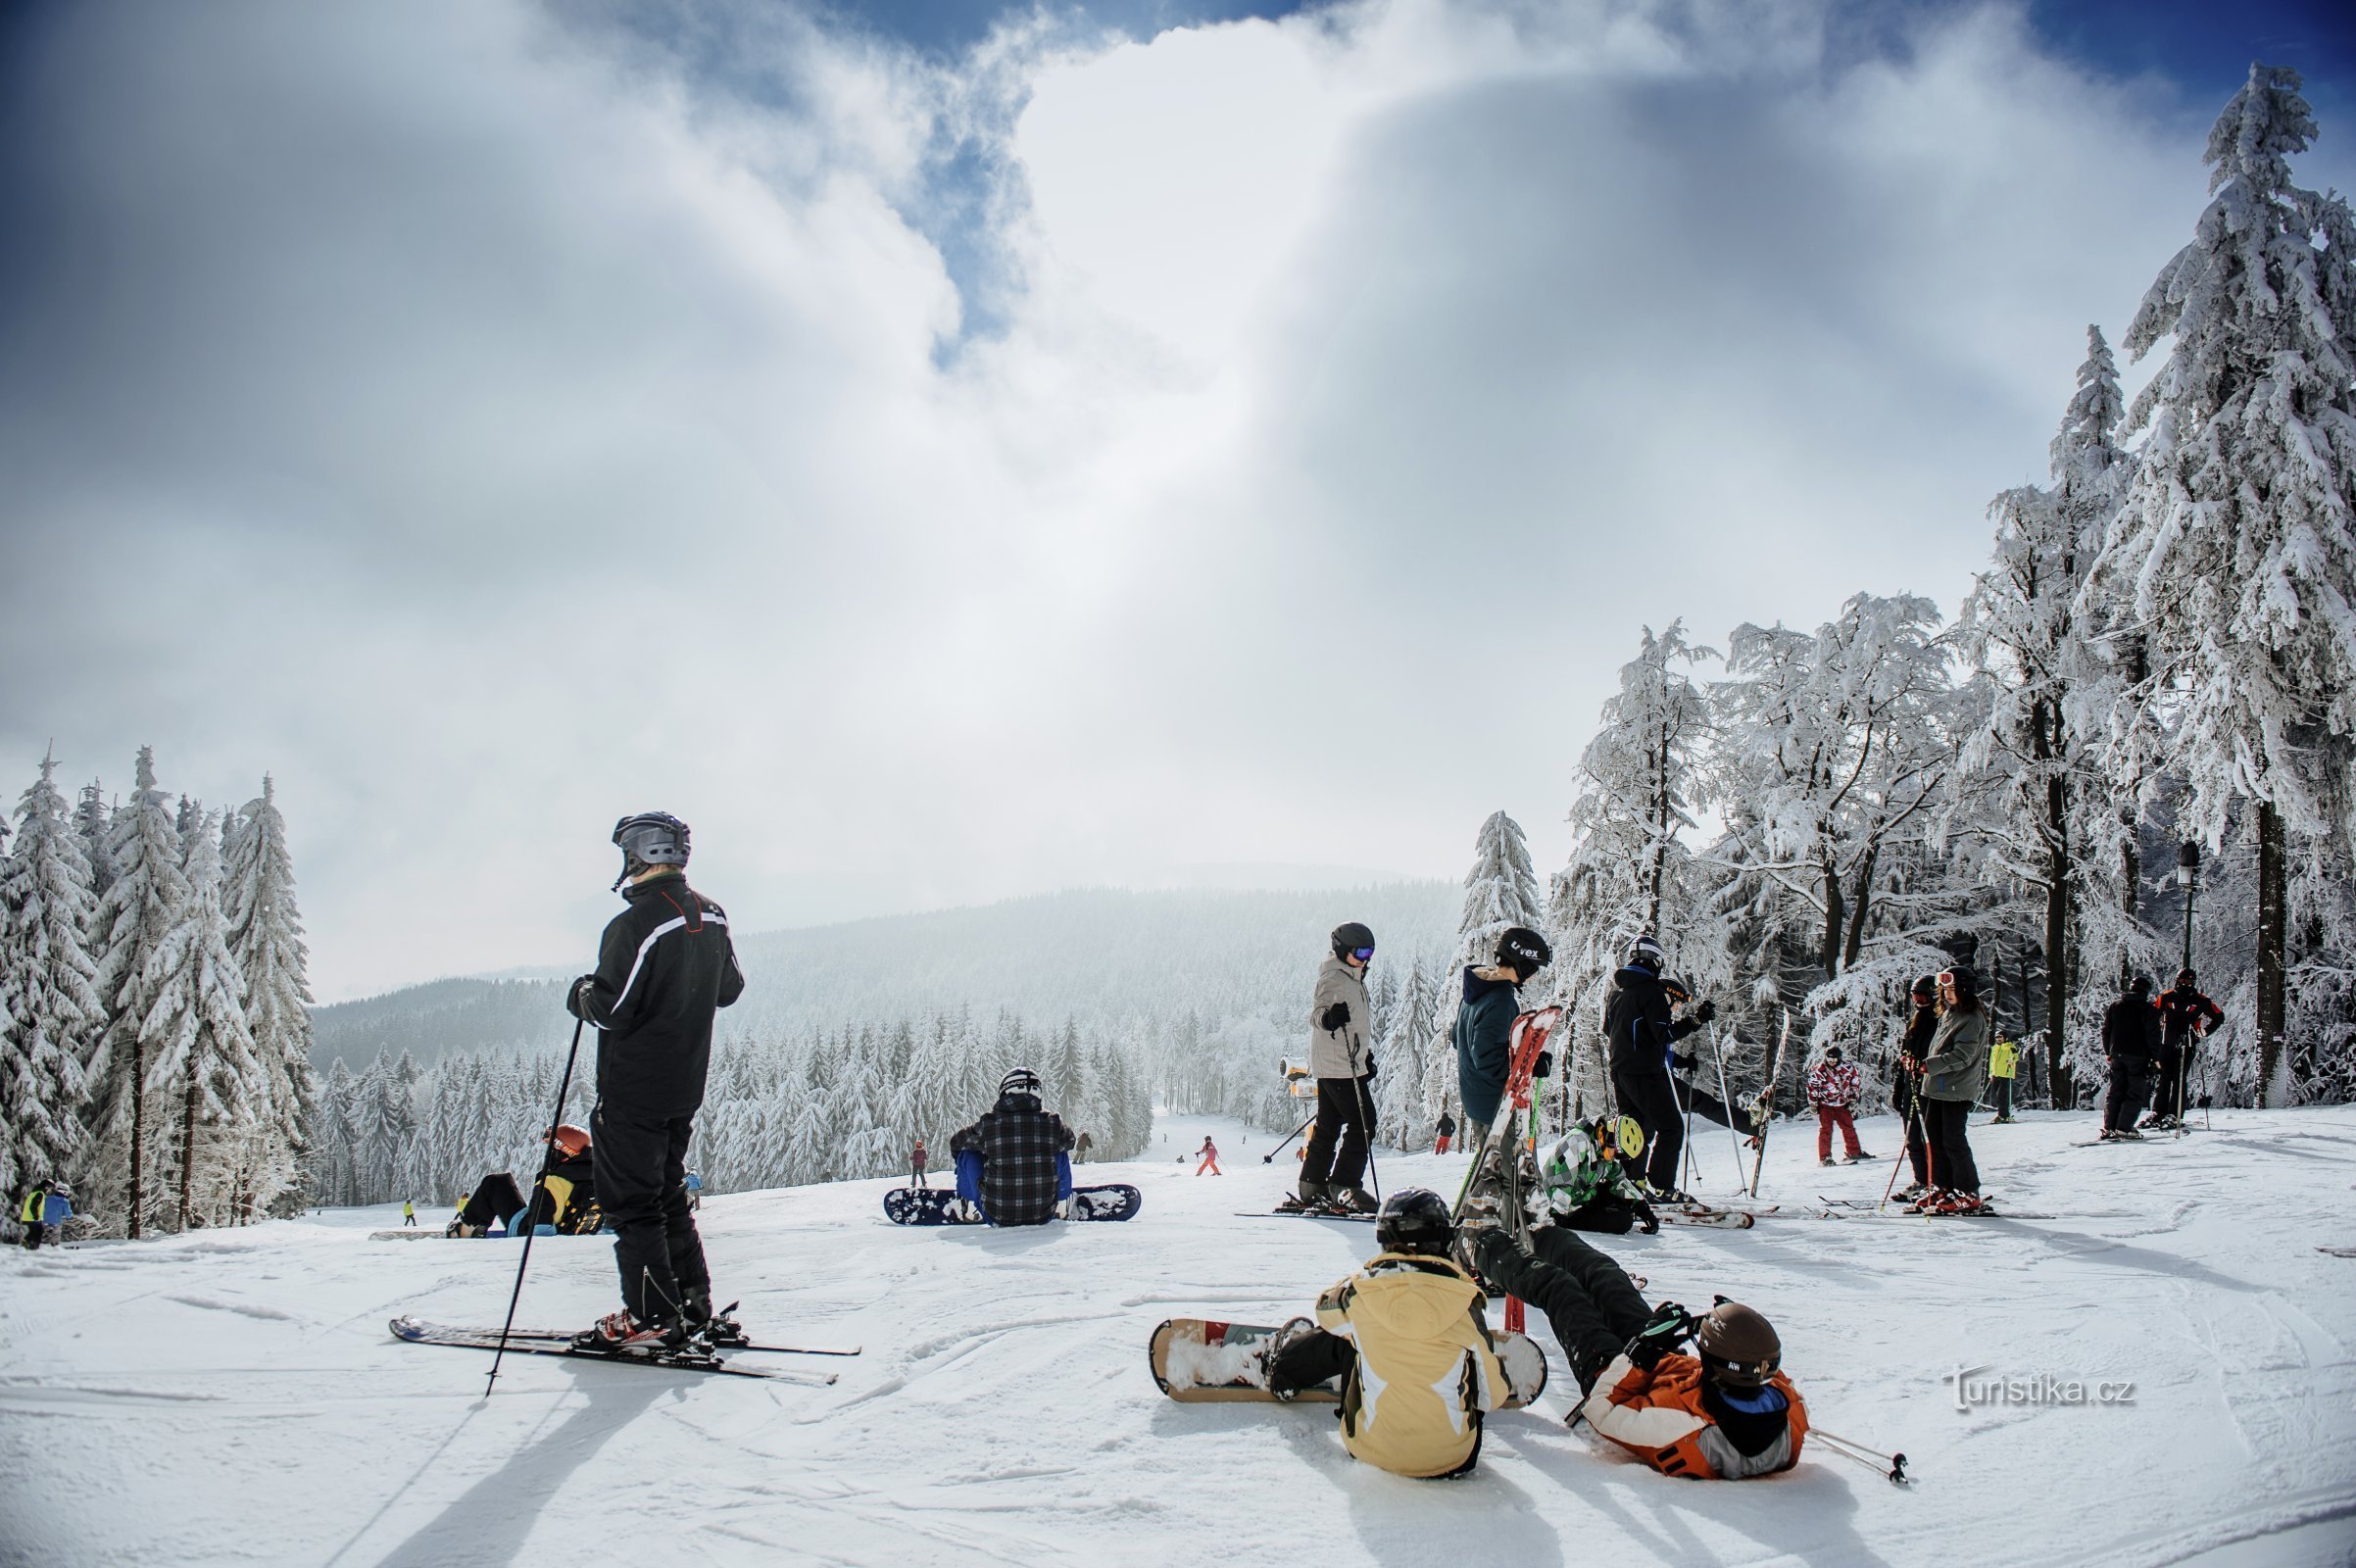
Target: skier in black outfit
[[665, 966], [1644, 1036], [2184, 1016], [1907, 1082], [2131, 1043], [1014, 1164]]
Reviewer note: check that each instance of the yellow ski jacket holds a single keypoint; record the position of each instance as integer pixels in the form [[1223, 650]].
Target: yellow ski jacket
[[1426, 1370]]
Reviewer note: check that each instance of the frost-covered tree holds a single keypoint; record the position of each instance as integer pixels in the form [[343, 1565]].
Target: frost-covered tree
[[2235, 552], [1627, 871], [94, 823], [2033, 789], [136, 917], [49, 1006], [266, 938], [202, 1064]]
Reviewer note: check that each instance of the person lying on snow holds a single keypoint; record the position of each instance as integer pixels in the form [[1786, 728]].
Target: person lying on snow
[[1014, 1164], [1584, 1186], [1727, 1411], [1407, 1336]]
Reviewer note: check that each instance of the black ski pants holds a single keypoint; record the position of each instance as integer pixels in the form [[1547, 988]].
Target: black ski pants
[[1658, 1103], [1337, 1146], [642, 1186], [1916, 1111], [1310, 1360], [1592, 1305], [1944, 1126], [2130, 1086], [2168, 1084]]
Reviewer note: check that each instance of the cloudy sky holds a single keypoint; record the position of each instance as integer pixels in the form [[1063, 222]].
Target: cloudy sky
[[947, 454]]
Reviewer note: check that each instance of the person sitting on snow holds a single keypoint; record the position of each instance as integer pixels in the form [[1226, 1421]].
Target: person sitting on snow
[[1583, 1185], [1727, 1411], [1407, 1336], [1014, 1164]]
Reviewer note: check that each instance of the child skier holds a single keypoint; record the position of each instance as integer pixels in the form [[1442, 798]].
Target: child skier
[[1406, 1335], [917, 1159], [1727, 1411], [1210, 1159], [1833, 1088]]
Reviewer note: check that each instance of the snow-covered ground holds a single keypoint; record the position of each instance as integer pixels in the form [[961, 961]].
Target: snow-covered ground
[[233, 1398]]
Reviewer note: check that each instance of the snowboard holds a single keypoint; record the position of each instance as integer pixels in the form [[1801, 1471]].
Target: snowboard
[[2338, 1251], [1203, 1361], [929, 1206], [552, 1341]]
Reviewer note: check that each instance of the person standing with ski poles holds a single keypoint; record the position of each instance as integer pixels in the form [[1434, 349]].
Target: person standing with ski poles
[[1906, 1084], [1955, 1070], [665, 966], [1643, 1035], [2186, 1018], [1335, 1158]]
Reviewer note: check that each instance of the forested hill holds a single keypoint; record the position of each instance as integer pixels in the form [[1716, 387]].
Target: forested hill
[[1093, 954]]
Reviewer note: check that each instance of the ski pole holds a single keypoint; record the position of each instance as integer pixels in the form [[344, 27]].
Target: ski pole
[[1269, 1158], [1367, 1131], [539, 1186], [1891, 1465], [1914, 1109], [1733, 1138]]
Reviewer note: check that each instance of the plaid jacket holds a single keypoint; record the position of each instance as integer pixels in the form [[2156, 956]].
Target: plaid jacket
[[1834, 1084], [1018, 1145]]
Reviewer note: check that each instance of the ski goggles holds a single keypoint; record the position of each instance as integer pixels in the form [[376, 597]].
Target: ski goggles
[[1361, 953]]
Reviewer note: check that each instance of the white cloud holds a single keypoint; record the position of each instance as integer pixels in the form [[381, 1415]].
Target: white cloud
[[491, 424]]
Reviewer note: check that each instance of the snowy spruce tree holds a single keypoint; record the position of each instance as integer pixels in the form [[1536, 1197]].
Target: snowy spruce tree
[[266, 938], [49, 1006], [202, 1070], [1628, 871], [2235, 552], [137, 915]]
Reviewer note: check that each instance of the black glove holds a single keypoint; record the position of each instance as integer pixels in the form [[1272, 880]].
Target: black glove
[[1664, 1331], [1334, 1018], [1546, 1065], [1707, 1012], [1646, 1221], [1368, 1074], [1680, 1061], [573, 992]]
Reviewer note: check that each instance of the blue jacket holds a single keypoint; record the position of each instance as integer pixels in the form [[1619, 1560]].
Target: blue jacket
[[1484, 1042]]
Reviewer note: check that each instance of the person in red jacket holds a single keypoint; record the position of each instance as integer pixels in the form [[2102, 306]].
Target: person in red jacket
[[1210, 1159], [1833, 1088], [2186, 1016]]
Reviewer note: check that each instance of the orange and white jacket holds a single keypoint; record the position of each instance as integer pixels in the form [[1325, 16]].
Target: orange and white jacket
[[1426, 1371], [1659, 1417]]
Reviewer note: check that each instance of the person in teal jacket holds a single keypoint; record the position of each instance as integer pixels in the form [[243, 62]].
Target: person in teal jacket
[[1484, 1032]]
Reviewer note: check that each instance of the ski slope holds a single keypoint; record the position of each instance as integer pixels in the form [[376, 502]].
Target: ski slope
[[233, 1398]]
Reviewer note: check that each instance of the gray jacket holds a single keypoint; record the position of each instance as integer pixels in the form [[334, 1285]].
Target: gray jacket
[[1342, 1053], [1956, 1065]]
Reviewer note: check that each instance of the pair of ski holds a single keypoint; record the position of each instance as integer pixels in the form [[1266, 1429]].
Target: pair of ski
[[691, 1357], [1859, 1208]]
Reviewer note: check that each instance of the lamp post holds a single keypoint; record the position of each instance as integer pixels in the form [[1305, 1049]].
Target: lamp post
[[2188, 875]]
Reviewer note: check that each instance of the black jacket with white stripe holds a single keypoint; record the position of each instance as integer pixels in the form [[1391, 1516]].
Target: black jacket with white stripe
[[663, 967]]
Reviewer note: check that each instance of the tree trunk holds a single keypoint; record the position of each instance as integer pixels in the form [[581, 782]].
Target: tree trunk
[[138, 1133], [1855, 942], [1834, 918], [2274, 932], [2057, 975], [188, 1157], [2131, 873]]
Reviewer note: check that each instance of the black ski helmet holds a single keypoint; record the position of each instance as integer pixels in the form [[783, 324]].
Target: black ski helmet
[[1021, 1081], [1646, 955], [649, 839], [1926, 990], [1523, 951], [1349, 937], [1738, 1348], [2184, 980], [1415, 1220], [2139, 987]]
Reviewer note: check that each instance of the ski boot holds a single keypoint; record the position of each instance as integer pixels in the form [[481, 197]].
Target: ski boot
[[1958, 1204], [1310, 1199], [1827, 1160], [1930, 1200], [1860, 1157], [1283, 1339], [1910, 1194], [1350, 1200], [720, 1330], [620, 1334]]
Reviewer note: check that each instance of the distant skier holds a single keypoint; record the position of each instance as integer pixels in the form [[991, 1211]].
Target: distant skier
[[1727, 1412], [1952, 1072], [1210, 1159], [2131, 1048], [1906, 1082], [1408, 1335], [917, 1159], [2003, 1060], [1448, 1130], [2186, 1018], [1334, 1158], [1834, 1085], [665, 966], [1643, 1035], [1484, 1031], [1014, 1163]]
